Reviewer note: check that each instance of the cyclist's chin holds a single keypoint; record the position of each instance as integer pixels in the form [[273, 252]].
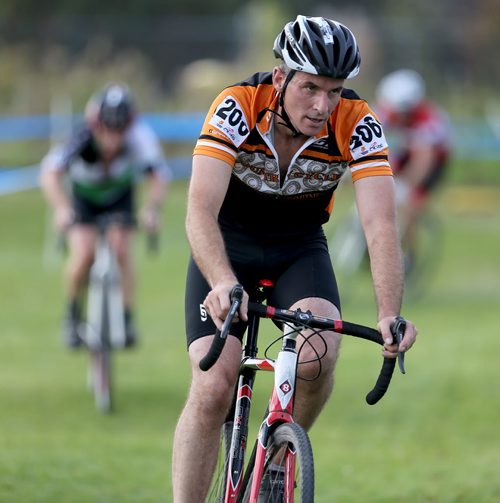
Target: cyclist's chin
[[311, 128]]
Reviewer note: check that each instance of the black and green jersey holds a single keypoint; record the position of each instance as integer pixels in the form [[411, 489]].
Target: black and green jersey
[[103, 184]]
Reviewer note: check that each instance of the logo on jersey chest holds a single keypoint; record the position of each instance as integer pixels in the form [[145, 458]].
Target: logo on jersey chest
[[262, 173]]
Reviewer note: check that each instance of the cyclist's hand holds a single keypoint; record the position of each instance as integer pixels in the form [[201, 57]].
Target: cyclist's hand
[[63, 218], [218, 303], [391, 348], [150, 219]]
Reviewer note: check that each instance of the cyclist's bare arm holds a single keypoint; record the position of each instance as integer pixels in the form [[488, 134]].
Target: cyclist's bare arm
[[207, 189], [52, 186], [420, 164], [377, 210], [155, 195]]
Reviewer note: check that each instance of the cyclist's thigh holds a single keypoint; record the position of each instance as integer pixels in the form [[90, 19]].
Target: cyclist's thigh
[[198, 321], [433, 179], [120, 238], [310, 275], [81, 242]]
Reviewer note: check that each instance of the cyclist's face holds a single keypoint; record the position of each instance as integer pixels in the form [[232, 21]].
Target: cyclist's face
[[310, 100], [110, 140]]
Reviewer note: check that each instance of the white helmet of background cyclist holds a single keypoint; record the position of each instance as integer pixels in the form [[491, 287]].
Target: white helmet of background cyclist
[[402, 90], [319, 46]]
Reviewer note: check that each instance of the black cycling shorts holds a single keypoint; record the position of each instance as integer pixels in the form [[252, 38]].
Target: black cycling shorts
[[121, 211], [299, 268]]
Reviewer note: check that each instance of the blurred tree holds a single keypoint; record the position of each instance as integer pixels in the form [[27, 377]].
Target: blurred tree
[[453, 44], [16, 8]]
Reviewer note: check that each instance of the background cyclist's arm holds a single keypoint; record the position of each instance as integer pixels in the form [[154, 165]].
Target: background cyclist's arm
[[51, 182], [420, 164], [156, 190], [207, 189], [147, 149], [376, 206]]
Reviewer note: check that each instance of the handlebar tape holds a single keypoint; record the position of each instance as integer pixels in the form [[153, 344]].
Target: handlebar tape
[[383, 381], [208, 361]]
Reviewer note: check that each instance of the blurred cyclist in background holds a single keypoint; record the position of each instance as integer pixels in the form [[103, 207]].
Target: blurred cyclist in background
[[102, 162], [421, 149]]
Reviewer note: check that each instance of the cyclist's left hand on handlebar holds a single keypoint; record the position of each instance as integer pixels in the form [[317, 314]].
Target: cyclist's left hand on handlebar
[[391, 347], [218, 303]]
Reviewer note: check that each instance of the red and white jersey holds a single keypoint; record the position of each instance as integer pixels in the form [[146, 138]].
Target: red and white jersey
[[425, 125]]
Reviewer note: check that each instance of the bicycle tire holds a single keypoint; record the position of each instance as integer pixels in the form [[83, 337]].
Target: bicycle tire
[[347, 245], [421, 266], [100, 357], [216, 493], [101, 378], [288, 443]]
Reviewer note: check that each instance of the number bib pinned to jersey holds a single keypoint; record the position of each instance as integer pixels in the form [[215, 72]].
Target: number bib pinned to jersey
[[367, 137], [229, 118]]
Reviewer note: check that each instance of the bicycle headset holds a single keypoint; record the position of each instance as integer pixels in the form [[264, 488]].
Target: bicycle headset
[[319, 46]]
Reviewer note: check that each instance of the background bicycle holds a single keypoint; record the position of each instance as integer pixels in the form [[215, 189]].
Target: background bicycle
[[103, 329], [350, 258], [281, 466]]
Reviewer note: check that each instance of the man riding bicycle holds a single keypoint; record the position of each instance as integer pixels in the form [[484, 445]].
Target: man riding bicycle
[[270, 155], [422, 147], [102, 162]]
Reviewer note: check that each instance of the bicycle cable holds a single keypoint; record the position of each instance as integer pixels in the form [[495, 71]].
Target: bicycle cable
[[306, 338]]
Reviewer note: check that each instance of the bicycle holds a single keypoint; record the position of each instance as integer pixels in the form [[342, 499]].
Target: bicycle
[[349, 252], [282, 457], [105, 323], [104, 330]]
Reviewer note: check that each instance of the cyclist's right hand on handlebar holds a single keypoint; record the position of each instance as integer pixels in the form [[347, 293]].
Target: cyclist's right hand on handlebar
[[393, 347], [218, 303], [63, 218]]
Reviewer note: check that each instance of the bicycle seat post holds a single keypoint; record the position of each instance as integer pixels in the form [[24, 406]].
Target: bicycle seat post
[[259, 294]]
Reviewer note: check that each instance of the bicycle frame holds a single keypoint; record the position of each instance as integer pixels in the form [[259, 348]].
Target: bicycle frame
[[105, 303], [280, 409]]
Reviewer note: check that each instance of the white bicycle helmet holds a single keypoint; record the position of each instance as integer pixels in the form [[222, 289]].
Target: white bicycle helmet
[[319, 46], [402, 90]]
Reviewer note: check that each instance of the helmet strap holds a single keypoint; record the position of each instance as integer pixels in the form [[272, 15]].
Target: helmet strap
[[284, 115]]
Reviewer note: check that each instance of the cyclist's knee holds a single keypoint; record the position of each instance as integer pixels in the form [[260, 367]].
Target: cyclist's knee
[[82, 258], [214, 389], [122, 254], [318, 356], [211, 394]]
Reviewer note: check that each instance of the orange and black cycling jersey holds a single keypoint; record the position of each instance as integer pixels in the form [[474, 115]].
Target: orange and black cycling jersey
[[238, 130]]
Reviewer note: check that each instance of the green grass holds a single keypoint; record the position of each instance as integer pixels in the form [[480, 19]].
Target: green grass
[[433, 439]]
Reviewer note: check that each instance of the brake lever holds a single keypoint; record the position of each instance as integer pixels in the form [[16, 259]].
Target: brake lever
[[398, 329]]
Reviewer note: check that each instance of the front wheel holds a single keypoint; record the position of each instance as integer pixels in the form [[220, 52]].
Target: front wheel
[[216, 493], [289, 468], [422, 261], [100, 378]]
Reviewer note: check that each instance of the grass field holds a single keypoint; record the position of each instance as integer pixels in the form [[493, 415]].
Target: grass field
[[434, 439]]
